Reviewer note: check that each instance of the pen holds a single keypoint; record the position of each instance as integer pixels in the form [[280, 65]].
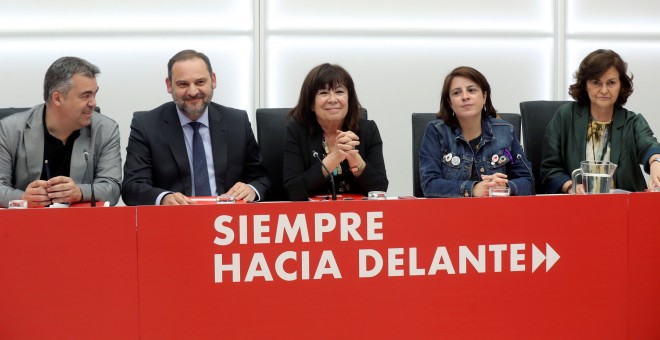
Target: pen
[[47, 169]]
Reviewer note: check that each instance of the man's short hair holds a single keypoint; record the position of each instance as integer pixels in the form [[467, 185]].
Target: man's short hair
[[60, 74], [185, 55]]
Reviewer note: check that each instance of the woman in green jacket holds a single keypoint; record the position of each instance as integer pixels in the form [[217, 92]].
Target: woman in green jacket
[[597, 127]]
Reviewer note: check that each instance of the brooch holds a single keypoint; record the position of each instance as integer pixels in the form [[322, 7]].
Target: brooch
[[508, 154]]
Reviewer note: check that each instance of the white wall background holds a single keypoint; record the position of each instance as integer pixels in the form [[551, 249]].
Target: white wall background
[[397, 52]]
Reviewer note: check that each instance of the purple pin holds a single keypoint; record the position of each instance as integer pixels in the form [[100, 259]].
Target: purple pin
[[508, 154]]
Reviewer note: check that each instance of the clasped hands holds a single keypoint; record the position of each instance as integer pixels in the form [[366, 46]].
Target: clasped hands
[[345, 148], [489, 181], [60, 189]]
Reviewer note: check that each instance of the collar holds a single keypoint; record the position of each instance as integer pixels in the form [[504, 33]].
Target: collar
[[72, 136], [486, 131], [184, 120], [618, 117]]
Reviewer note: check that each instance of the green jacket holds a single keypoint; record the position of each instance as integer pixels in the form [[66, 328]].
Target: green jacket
[[565, 142]]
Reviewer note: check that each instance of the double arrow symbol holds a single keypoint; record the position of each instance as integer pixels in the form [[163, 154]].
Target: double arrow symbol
[[550, 257]]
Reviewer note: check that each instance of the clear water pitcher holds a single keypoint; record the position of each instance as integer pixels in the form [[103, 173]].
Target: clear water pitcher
[[596, 176]]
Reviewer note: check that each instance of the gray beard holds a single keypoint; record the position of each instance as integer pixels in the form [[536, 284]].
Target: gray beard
[[192, 114]]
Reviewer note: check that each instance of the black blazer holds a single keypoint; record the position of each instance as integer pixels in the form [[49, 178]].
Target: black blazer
[[302, 172], [157, 160]]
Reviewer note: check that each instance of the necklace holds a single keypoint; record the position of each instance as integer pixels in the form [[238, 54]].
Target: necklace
[[474, 143], [595, 133], [337, 170]]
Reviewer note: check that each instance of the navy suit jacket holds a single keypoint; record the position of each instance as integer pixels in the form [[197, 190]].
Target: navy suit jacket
[[157, 160]]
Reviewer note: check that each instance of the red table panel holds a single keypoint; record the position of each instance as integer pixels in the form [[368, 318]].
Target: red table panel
[[68, 274], [644, 266], [451, 268]]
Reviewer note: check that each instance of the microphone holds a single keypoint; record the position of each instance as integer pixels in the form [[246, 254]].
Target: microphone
[[332, 178], [520, 158], [93, 199]]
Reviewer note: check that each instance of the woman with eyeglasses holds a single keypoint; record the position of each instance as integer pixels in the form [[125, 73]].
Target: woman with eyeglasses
[[596, 127]]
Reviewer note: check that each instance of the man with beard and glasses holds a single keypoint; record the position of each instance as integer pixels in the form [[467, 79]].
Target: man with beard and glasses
[[52, 152], [192, 146]]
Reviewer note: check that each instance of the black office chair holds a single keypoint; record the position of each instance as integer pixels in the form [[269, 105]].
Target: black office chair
[[419, 123], [536, 116], [271, 131], [514, 119], [4, 112]]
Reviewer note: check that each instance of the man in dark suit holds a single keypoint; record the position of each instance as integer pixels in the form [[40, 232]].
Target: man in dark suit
[[192, 146]]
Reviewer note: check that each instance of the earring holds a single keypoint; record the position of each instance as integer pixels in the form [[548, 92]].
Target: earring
[[453, 113], [484, 108]]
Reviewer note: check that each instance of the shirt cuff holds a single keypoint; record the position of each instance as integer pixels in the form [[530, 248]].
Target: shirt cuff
[[160, 197], [258, 198]]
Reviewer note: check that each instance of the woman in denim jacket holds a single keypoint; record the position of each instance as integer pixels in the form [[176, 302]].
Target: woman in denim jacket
[[468, 150]]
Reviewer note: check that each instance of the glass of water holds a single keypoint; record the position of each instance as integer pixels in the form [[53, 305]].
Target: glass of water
[[499, 191], [377, 195]]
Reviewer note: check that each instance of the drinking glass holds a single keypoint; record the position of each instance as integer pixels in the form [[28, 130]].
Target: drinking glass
[[499, 191]]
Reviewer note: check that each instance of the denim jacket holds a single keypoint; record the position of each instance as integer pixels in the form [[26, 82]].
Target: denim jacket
[[446, 159]]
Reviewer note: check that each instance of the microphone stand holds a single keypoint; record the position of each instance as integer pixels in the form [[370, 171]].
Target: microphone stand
[[520, 158], [93, 199], [332, 178]]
